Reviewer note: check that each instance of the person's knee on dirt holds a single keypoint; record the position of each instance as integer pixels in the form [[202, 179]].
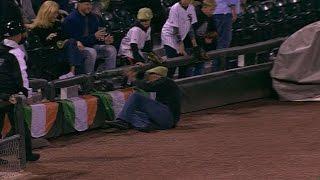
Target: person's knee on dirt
[[144, 113]]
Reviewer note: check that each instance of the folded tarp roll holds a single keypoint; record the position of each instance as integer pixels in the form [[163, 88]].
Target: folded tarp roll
[[296, 70]]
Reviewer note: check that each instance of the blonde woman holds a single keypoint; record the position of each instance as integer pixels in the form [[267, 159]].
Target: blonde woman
[[48, 30]]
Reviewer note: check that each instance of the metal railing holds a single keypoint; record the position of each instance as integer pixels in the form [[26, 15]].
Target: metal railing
[[87, 80]]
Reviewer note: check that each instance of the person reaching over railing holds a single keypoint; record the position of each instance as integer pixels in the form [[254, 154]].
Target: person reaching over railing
[[205, 32], [178, 26], [138, 40]]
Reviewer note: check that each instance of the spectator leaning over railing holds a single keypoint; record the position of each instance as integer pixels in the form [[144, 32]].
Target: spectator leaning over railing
[[137, 40], [48, 30], [145, 114], [84, 26], [178, 26], [205, 30], [13, 78]]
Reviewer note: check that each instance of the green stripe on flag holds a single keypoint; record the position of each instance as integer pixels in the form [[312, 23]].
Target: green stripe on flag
[[107, 103], [27, 111], [68, 112]]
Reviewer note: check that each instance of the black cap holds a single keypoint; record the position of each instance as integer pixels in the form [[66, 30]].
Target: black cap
[[82, 1], [12, 28]]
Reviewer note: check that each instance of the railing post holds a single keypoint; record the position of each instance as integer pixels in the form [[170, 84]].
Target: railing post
[[20, 128]]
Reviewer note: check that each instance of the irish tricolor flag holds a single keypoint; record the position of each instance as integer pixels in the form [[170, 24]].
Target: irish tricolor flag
[[6, 126], [80, 112], [119, 97], [41, 117]]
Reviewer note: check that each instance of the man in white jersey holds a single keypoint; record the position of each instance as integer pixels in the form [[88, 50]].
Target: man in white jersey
[[182, 16], [137, 40]]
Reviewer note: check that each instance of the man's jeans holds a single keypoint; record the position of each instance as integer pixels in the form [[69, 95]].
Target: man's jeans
[[224, 28], [106, 52], [143, 113]]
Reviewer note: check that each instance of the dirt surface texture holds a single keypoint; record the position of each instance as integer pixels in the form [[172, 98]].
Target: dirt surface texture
[[258, 140]]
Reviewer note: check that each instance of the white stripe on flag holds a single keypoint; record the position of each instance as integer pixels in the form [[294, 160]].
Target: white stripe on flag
[[38, 120], [153, 95], [118, 101], [81, 114]]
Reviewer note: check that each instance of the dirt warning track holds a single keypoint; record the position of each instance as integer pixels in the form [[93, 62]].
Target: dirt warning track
[[262, 139]]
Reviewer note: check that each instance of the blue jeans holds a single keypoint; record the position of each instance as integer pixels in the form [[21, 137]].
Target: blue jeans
[[75, 57], [198, 69], [106, 52], [143, 113], [224, 28]]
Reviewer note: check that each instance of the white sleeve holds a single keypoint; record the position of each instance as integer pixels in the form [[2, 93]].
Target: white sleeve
[[173, 18], [194, 16], [149, 34], [134, 36]]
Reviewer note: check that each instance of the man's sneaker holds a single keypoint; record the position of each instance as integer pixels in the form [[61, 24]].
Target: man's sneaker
[[122, 125]]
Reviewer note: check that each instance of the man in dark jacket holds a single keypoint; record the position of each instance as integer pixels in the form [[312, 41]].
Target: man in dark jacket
[[83, 26], [12, 80], [145, 114]]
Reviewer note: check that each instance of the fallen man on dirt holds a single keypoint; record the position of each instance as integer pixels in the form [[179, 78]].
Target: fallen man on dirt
[[143, 113]]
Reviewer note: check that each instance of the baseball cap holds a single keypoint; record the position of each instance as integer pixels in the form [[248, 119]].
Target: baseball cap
[[160, 70]]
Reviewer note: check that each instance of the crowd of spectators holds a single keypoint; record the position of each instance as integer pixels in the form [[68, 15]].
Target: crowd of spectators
[[73, 39]]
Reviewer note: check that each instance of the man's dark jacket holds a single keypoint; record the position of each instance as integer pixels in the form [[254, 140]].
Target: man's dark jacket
[[74, 26], [167, 93], [10, 75]]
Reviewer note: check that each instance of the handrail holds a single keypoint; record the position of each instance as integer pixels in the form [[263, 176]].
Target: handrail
[[173, 62], [228, 52]]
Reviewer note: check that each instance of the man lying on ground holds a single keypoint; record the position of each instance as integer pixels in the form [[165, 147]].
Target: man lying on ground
[[145, 114]]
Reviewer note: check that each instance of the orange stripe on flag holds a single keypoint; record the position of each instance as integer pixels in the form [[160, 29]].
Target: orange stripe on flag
[[51, 114], [127, 92], [6, 126], [92, 106]]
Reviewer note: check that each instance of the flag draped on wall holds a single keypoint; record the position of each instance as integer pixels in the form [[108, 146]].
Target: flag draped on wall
[[41, 117], [6, 126], [119, 98], [80, 112], [75, 114]]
